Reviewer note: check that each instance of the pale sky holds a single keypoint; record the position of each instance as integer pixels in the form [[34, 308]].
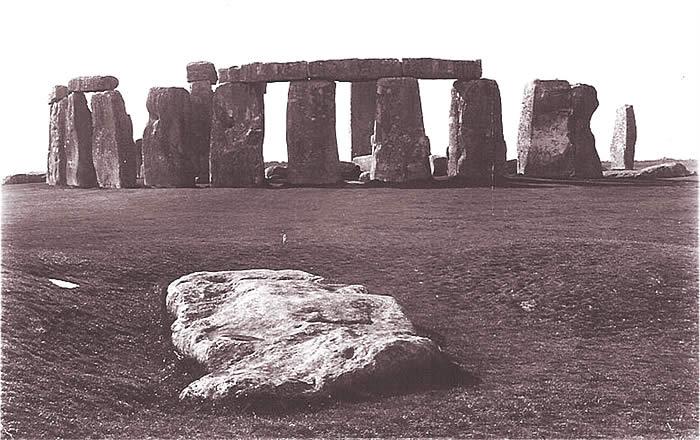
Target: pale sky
[[633, 52]]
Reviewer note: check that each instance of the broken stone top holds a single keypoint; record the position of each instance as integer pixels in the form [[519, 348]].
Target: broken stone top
[[58, 93], [92, 84], [201, 71], [353, 69]]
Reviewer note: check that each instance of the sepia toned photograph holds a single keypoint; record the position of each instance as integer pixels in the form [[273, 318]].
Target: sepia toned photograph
[[361, 219]]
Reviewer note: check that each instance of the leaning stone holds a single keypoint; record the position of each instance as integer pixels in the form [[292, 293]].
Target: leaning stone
[[401, 149], [80, 170], [438, 165], [554, 137], [138, 143], [477, 149], [201, 71], [113, 149], [312, 148], [431, 68], [168, 156], [56, 161], [237, 133], [364, 162], [58, 93], [287, 335], [92, 84], [201, 97], [624, 139], [273, 72], [363, 105], [354, 69], [349, 171]]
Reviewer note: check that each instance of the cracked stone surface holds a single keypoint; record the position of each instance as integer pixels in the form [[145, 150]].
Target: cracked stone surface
[[286, 334]]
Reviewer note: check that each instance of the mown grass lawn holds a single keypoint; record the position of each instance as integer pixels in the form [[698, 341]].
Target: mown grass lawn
[[575, 307]]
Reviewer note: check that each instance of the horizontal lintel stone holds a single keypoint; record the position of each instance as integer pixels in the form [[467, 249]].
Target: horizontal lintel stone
[[355, 69], [92, 84], [433, 68]]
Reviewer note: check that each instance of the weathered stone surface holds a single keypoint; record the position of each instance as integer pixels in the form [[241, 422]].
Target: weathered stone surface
[[354, 69], [265, 72], [554, 137], [661, 171], [230, 74], [287, 335], [237, 133], [401, 149], [363, 105], [365, 176], [80, 170], [511, 167], [312, 149], [432, 68], [58, 93], [201, 97], [202, 71], [113, 149], [168, 156], [477, 149], [276, 171], [56, 161], [364, 162], [92, 84], [624, 139], [16, 179], [349, 171], [438, 165], [138, 144]]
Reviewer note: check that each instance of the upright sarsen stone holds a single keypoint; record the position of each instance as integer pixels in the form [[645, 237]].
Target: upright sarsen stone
[[237, 133], [113, 149], [201, 97], [80, 170], [624, 139], [138, 143], [312, 148], [401, 150], [56, 161], [363, 105], [168, 156], [477, 150], [554, 137]]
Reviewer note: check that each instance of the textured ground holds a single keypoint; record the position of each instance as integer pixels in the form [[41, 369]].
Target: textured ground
[[574, 307]]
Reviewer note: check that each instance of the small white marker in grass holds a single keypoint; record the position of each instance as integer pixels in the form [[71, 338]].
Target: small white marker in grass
[[63, 284]]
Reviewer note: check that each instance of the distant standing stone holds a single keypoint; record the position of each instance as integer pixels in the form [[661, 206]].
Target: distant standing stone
[[237, 134], [477, 149], [438, 165], [312, 147], [201, 97], [364, 162], [138, 143], [202, 71], [168, 156], [363, 105], [80, 170], [401, 149], [113, 149], [349, 171], [92, 84], [554, 137], [56, 161], [58, 93], [624, 139]]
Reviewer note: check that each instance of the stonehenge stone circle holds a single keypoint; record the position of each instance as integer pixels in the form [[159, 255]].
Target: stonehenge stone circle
[[312, 149], [201, 71], [554, 137], [363, 105], [400, 147], [80, 170], [477, 149], [168, 157], [113, 149], [92, 84], [624, 139], [237, 133], [56, 162], [201, 98]]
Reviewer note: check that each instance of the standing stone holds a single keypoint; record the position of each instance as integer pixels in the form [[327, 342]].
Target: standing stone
[[438, 165], [363, 105], [237, 133], [56, 162], [201, 96], [80, 170], [168, 156], [138, 143], [58, 93], [312, 148], [477, 150], [201, 71], [624, 139], [554, 137], [113, 149], [400, 147]]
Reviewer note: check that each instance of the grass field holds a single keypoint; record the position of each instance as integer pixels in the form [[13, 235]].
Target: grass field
[[574, 307]]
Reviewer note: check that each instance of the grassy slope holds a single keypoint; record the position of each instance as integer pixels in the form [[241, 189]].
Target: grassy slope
[[610, 348]]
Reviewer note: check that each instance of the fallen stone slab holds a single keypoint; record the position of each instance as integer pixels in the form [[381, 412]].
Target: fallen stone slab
[[285, 334], [201, 71], [57, 93], [661, 171], [113, 148], [24, 178], [433, 68], [624, 139], [92, 84], [355, 69]]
